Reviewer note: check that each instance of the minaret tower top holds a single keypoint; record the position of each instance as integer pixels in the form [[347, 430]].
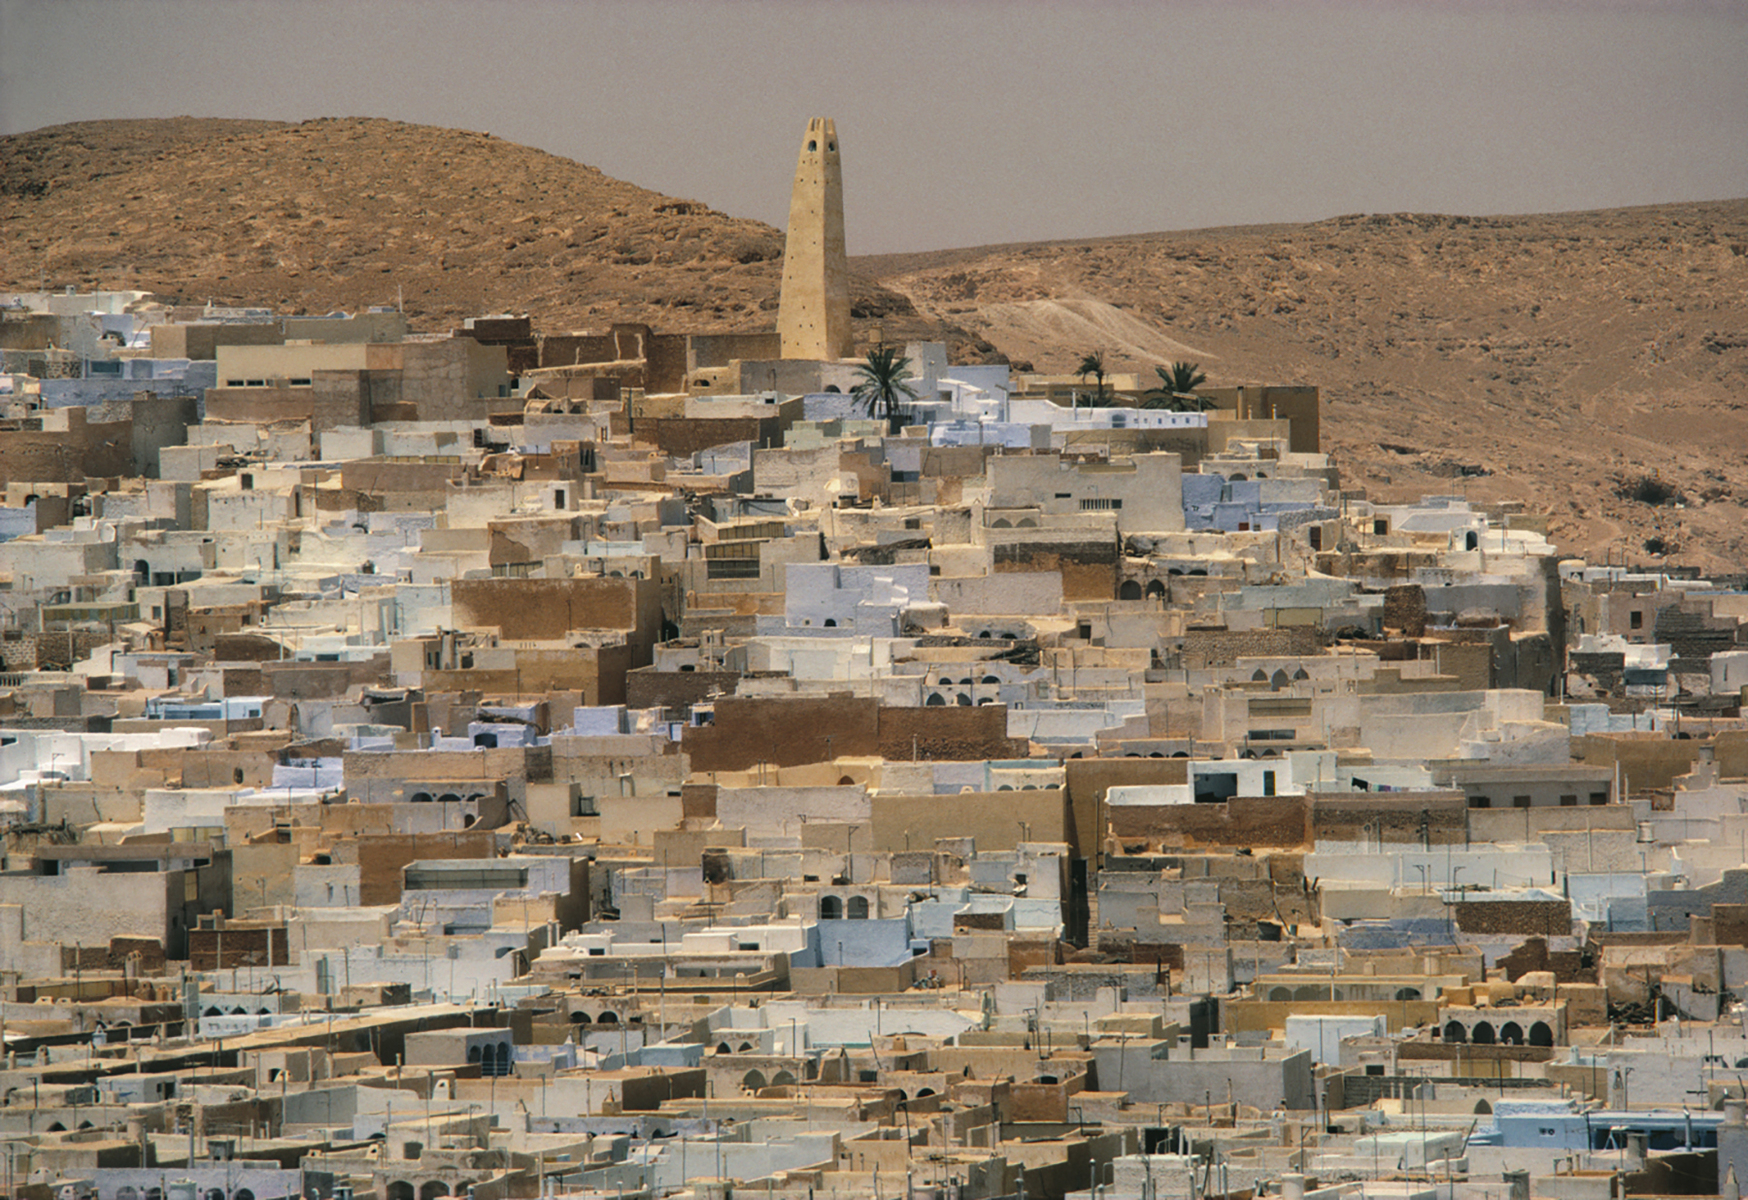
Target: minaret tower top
[[813, 311]]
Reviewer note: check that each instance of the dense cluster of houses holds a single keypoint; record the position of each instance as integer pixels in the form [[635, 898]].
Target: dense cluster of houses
[[512, 763]]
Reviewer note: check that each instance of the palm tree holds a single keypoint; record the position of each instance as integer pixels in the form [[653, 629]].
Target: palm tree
[[1177, 388], [881, 382], [1094, 364]]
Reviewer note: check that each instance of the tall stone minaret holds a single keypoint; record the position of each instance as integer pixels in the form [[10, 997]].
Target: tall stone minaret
[[813, 312]]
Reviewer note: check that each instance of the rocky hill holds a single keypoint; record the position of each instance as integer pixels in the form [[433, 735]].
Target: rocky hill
[[1558, 360], [343, 214]]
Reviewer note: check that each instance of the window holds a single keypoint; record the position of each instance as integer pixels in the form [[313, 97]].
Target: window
[[1636, 620], [1380, 528], [1096, 504], [1568, 801], [1480, 802], [1598, 798], [1374, 1068], [1268, 783], [1520, 802]]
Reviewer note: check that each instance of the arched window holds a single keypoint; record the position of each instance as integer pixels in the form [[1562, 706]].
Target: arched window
[[1280, 993], [753, 1080], [433, 1189], [782, 1079], [1510, 1034], [1482, 1034], [1156, 590], [1130, 590], [1407, 993], [831, 908], [857, 908], [1542, 1035], [1454, 1032], [935, 700]]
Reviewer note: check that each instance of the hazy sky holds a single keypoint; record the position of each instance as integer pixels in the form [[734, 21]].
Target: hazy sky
[[966, 123]]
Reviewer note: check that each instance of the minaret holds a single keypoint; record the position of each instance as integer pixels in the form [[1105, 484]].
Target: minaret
[[813, 312]]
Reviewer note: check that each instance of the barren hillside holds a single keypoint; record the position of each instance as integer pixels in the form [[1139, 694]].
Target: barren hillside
[[1551, 359], [349, 213]]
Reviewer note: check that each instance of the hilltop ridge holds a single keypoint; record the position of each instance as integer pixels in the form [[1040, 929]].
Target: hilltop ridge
[[345, 213]]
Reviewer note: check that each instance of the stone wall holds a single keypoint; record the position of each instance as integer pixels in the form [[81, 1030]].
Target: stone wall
[[1442, 816], [214, 949], [1548, 918], [1405, 609], [1204, 648], [1274, 821], [647, 687]]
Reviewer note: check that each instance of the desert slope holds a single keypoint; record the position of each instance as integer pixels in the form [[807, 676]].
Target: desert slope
[[346, 213], [1540, 358]]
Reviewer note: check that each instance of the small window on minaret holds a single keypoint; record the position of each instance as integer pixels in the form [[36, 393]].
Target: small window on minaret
[[813, 146]]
